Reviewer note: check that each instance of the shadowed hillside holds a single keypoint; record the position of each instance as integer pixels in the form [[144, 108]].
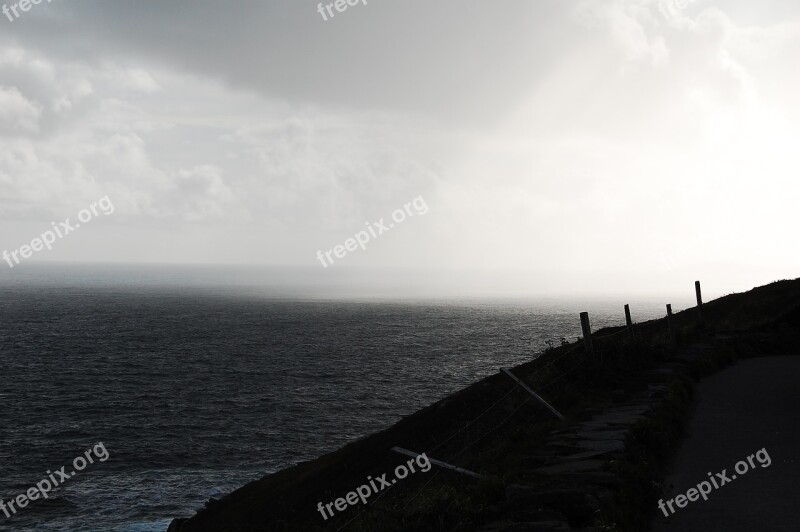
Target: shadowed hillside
[[598, 469]]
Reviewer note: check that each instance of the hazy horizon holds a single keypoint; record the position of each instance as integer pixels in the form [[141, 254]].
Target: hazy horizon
[[286, 282]]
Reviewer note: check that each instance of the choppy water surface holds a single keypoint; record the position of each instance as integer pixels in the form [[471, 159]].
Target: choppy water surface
[[194, 393]]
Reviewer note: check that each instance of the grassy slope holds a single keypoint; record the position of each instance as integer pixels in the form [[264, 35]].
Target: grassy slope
[[502, 443]]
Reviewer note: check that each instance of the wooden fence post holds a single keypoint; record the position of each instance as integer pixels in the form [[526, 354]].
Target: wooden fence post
[[587, 333], [439, 463], [536, 395], [670, 326], [628, 320], [699, 295]]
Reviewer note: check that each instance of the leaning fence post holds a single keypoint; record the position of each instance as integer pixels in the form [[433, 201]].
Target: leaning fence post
[[439, 463], [587, 333], [530, 391], [699, 295], [670, 326], [628, 320]]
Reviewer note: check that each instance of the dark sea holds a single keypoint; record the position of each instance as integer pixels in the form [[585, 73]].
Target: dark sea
[[196, 387]]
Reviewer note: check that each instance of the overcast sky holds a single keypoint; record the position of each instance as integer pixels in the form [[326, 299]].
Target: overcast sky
[[604, 136]]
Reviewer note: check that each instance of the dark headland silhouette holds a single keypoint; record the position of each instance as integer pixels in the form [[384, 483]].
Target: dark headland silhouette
[[625, 406]]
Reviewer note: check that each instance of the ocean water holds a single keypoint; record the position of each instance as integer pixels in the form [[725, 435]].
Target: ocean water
[[195, 389]]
